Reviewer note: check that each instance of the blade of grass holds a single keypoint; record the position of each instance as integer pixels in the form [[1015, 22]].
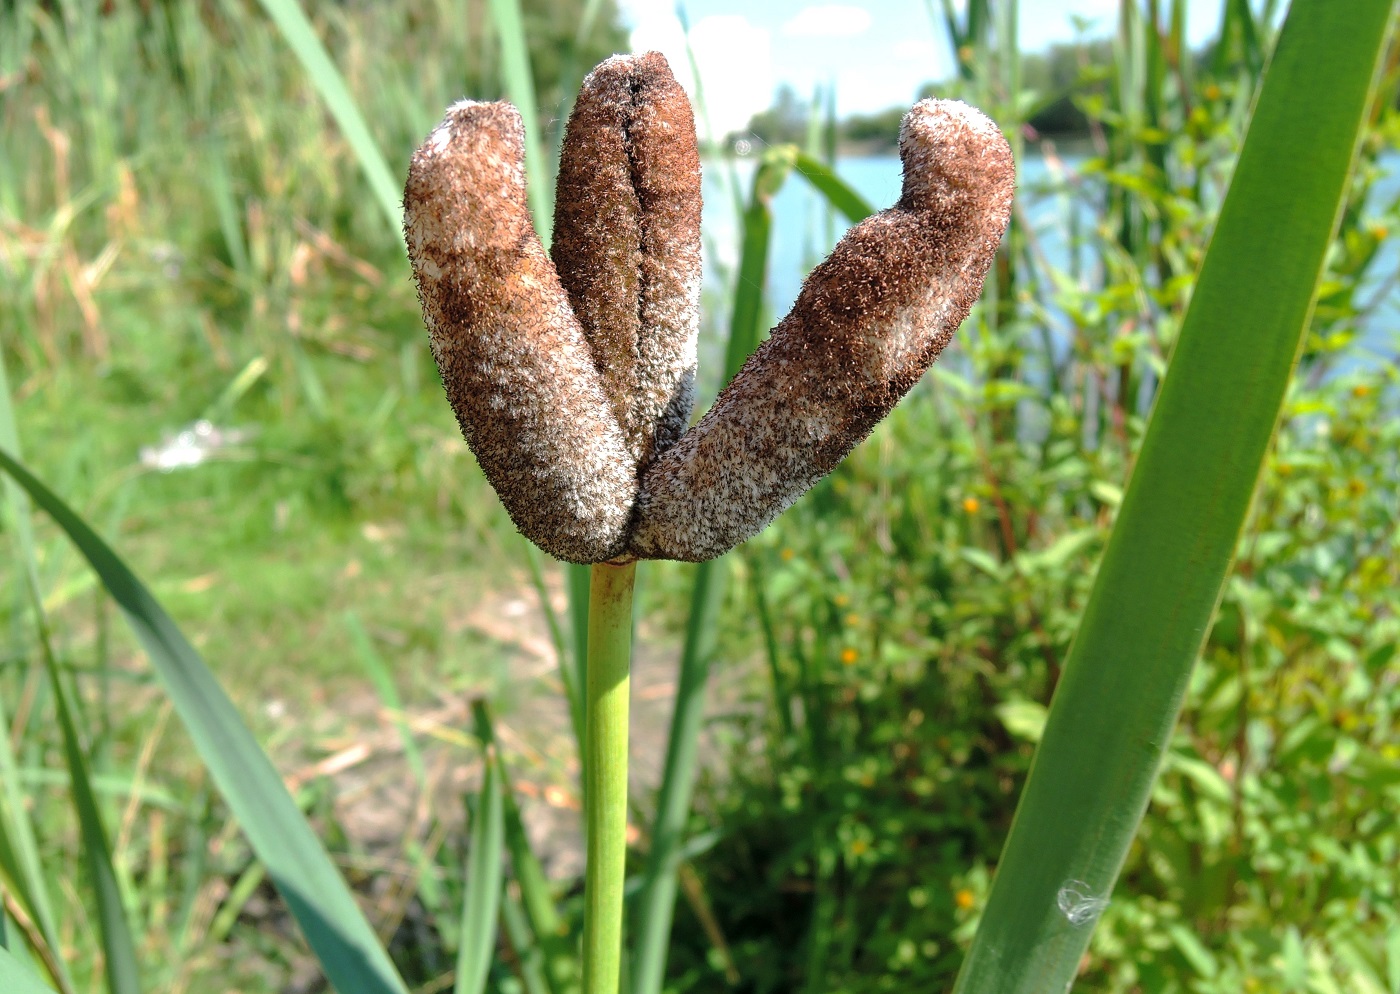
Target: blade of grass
[[118, 947], [314, 891], [560, 967], [519, 86], [527, 950], [567, 676], [429, 888], [1161, 575], [481, 901], [384, 685], [745, 321], [712, 142], [301, 37], [578, 579]]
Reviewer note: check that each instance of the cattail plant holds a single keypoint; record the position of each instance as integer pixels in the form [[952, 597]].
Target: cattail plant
[[573, 376]]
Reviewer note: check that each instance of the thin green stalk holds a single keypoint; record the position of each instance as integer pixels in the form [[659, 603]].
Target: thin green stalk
[[578, 578], [605, 772]]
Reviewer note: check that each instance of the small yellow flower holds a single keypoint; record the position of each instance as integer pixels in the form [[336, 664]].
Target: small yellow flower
[[971, 505], [964, 898], [849, 656], [787, 555], [1361, 390], [859, 847], [852, 620], [1212, 91], [1285, 469], [841, 600]]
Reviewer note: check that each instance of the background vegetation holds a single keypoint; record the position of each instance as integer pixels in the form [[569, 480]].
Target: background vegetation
[[185, 235]]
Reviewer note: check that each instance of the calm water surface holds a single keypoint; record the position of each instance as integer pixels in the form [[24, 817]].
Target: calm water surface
[[803, 232]]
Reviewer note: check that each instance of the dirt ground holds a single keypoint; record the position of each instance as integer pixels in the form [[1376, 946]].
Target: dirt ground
[[377, 797]]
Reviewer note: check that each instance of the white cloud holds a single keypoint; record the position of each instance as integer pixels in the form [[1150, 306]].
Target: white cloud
[[735, 59], [831, 20]]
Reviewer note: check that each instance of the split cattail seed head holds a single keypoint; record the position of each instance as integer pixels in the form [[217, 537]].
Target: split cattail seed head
[[573, 380]]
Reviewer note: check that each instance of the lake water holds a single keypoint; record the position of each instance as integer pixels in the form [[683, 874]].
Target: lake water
[[803, 232]]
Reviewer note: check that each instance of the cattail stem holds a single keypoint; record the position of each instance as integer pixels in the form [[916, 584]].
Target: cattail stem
[[605, 772]]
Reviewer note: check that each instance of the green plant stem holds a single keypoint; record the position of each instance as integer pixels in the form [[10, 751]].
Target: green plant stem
[[605, 772]]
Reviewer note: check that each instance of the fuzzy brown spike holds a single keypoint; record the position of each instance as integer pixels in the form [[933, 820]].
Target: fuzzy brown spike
[[627, 242], [866, 325], [513, 358]]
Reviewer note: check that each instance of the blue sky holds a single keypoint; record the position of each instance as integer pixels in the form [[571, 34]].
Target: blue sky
[[877, 52]]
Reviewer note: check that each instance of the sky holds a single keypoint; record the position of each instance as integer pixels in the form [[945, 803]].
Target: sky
[[877, 52]]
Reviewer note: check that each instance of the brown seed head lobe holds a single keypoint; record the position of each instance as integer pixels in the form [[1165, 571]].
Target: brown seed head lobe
[[514, 361], [627, 242], [866, 325]]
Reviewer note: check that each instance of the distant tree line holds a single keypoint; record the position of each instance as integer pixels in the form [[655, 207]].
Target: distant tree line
[[1057, 76]]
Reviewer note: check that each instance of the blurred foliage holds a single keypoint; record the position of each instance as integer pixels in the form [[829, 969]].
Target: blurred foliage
[[915, 609]]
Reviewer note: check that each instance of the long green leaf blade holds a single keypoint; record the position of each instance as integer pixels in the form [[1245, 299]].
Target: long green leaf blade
[[745, 322], [118, 947], [837, 191], [1181, 518], [482, 900], [560, 965], [315, 893], [301, 37], [519, 84]]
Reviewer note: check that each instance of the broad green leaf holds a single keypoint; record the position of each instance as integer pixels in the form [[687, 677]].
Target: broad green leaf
[[15, 979], [1167, 559], [317, 896]]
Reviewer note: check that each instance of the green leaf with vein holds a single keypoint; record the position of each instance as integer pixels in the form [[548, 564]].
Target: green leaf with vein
[[1169, 554], [317, 896]]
